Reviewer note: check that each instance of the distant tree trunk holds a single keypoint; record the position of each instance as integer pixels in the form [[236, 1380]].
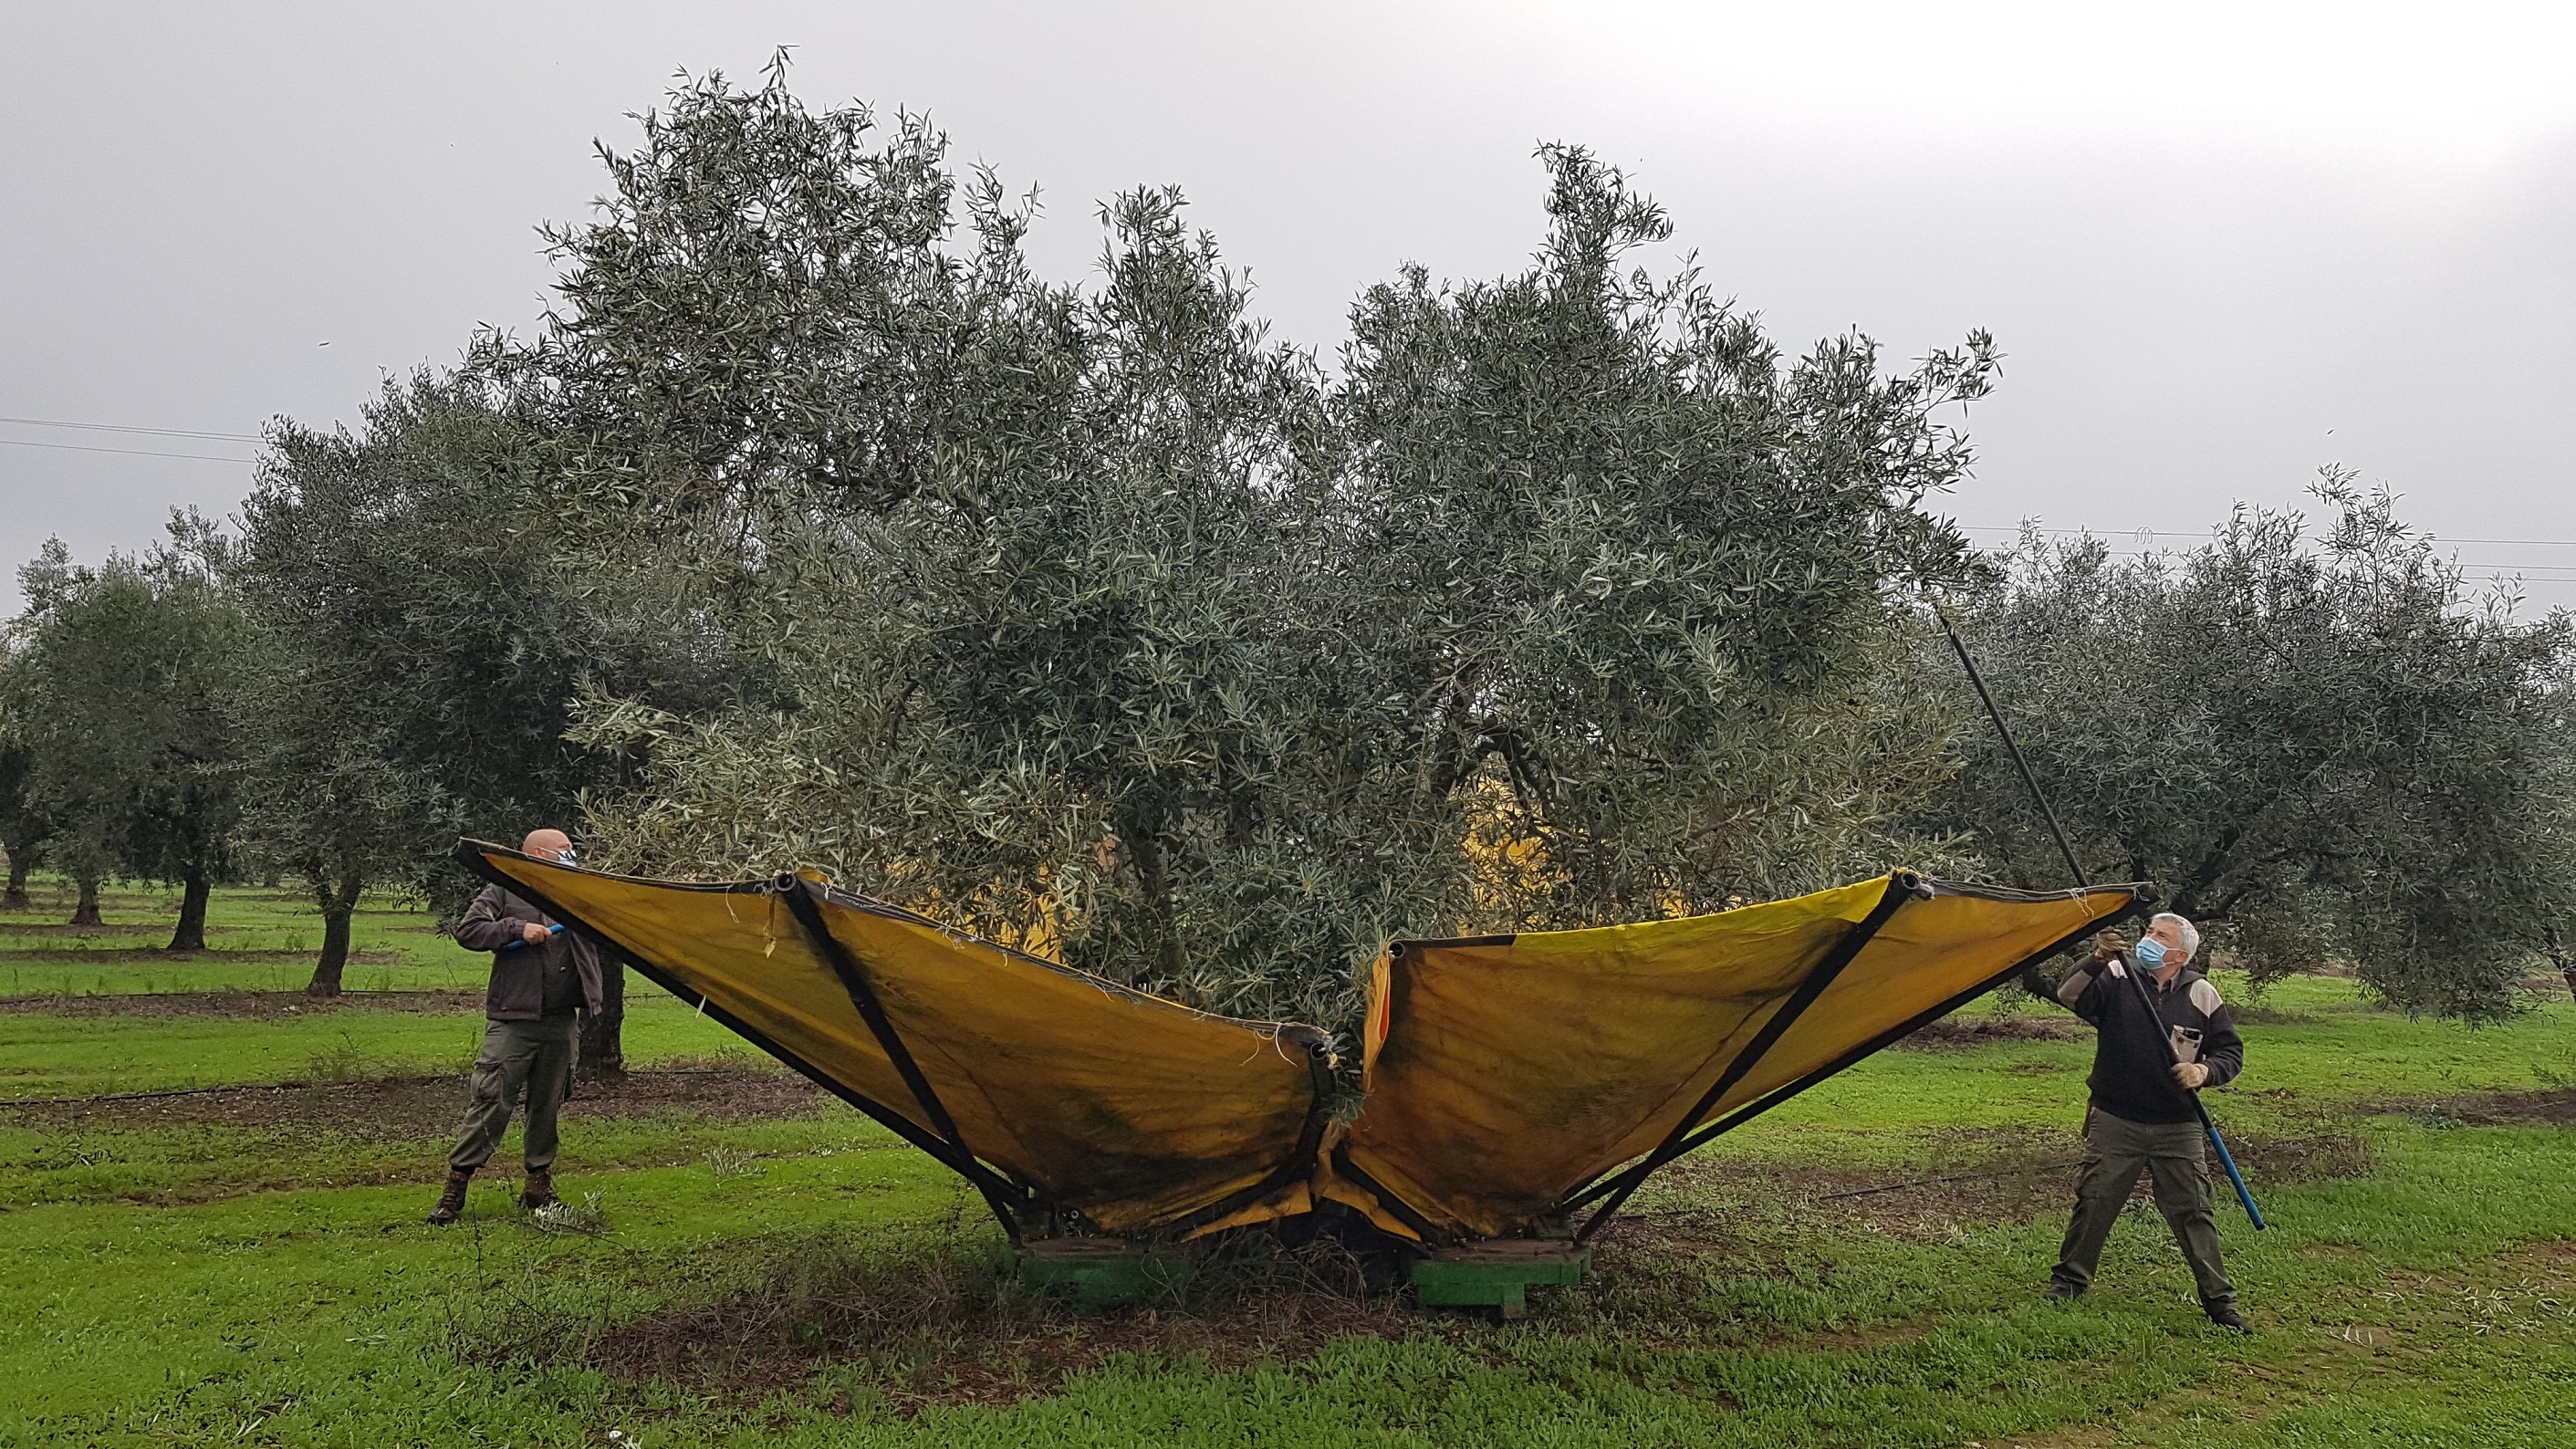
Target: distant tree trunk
[[339, 903], [86, 913], [15, 897], [603, 1035], [191, 935]]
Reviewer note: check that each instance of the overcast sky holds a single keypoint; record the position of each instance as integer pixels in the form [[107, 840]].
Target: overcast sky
[[2219, 244]]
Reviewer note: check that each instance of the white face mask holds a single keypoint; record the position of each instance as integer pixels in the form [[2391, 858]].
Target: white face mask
[[568, 856]]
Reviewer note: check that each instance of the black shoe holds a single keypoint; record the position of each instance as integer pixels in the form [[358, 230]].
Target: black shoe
[[2060, 1291], [2226, 1316], [451, 1203]]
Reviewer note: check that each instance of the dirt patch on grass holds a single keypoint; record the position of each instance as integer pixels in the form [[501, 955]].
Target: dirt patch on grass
[[257, 1005], [1953, 1033], [113, 928], [2002, 1175], [2550, 1106], [409, 1108]]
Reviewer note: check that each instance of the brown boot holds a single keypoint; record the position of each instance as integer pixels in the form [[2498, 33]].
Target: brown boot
[[451, 1203], [538, 1191]]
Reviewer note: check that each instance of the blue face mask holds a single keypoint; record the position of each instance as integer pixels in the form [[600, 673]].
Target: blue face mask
[[2151, 952]]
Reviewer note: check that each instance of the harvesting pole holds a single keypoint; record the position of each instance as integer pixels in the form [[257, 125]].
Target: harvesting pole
[[2164, 1038]]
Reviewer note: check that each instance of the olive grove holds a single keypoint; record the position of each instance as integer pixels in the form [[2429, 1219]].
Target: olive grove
[[813, 525]]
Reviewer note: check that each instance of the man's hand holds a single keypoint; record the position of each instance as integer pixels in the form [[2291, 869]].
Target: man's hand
[[2107, 945], [534, 934], [2189, 1075]]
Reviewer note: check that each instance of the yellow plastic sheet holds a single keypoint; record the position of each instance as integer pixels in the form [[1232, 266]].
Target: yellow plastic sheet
[[1503, 1074], [1139, 1114], [1507, 1072]]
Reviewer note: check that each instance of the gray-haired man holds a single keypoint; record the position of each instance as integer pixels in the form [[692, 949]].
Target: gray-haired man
[[2141, 1117]]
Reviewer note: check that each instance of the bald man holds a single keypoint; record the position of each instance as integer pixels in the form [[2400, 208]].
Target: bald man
[[540, 979]]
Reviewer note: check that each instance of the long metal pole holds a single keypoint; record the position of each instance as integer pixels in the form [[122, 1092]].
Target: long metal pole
[[2147, 1002]]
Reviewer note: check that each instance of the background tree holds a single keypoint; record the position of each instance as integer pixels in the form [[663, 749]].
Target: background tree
[[2312, 739], [130, 665], [434, 620], [24, 823]]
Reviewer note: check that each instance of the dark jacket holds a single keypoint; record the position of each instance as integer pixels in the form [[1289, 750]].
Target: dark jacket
[[565, 967], [2131, 1077]]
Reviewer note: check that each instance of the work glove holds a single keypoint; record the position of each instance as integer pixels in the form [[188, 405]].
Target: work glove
[[2189, 1075]]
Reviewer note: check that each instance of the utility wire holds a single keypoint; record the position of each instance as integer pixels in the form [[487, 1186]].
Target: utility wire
[[2180, 533], [128, 452], [122, 428]]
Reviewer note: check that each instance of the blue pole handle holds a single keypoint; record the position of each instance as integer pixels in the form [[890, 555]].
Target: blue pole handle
[[557, 929], [2244, 1194]]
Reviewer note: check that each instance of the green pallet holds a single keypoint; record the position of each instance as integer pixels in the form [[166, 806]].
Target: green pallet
[[1102, 1272], [1497, 1274]]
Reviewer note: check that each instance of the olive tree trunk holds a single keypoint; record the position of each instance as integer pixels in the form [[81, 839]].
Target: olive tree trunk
[[15, 897], [191, 935], [339, 902], [86, 912]]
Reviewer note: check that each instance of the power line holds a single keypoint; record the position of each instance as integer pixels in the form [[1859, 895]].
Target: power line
[[2185, 533], [129, 452], [2501, 568], [122, 428]]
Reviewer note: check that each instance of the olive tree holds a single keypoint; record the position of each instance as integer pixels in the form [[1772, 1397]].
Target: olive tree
[[133, 749], [24, 821], [2312, 737], [432, 617], [1102, 622]]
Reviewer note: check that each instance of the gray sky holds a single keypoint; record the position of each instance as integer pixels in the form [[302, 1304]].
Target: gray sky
[[2220, 244]]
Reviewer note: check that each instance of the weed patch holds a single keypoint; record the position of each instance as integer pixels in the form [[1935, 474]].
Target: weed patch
[[910, 1321]]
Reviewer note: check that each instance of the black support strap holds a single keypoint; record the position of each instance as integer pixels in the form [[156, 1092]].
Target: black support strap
[[799, 895], [1901, 887]]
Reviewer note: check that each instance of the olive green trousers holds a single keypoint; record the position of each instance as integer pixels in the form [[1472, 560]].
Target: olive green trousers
[[531, 1057], [2173, 1156]]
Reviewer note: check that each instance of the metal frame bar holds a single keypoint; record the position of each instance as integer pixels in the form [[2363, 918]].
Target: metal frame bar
[[1592, 1191], [798, 894], [941, 1151], [1901, 887], [1429, 1232]]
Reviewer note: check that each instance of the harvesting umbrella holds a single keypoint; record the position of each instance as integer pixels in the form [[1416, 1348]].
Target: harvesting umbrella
[[1509, 1078]]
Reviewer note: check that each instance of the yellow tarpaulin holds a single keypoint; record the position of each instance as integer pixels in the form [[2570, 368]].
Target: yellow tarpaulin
[[1505, 1073], [1137, 1113]]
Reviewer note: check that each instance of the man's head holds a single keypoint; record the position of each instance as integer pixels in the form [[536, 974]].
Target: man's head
[[2180, 937], [552, 844]]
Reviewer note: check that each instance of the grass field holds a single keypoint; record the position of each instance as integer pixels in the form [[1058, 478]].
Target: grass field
[[239, 1258]]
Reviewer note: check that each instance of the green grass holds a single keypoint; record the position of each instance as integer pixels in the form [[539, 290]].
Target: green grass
[[398, 948], [176, 1284], [79, 1056]]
